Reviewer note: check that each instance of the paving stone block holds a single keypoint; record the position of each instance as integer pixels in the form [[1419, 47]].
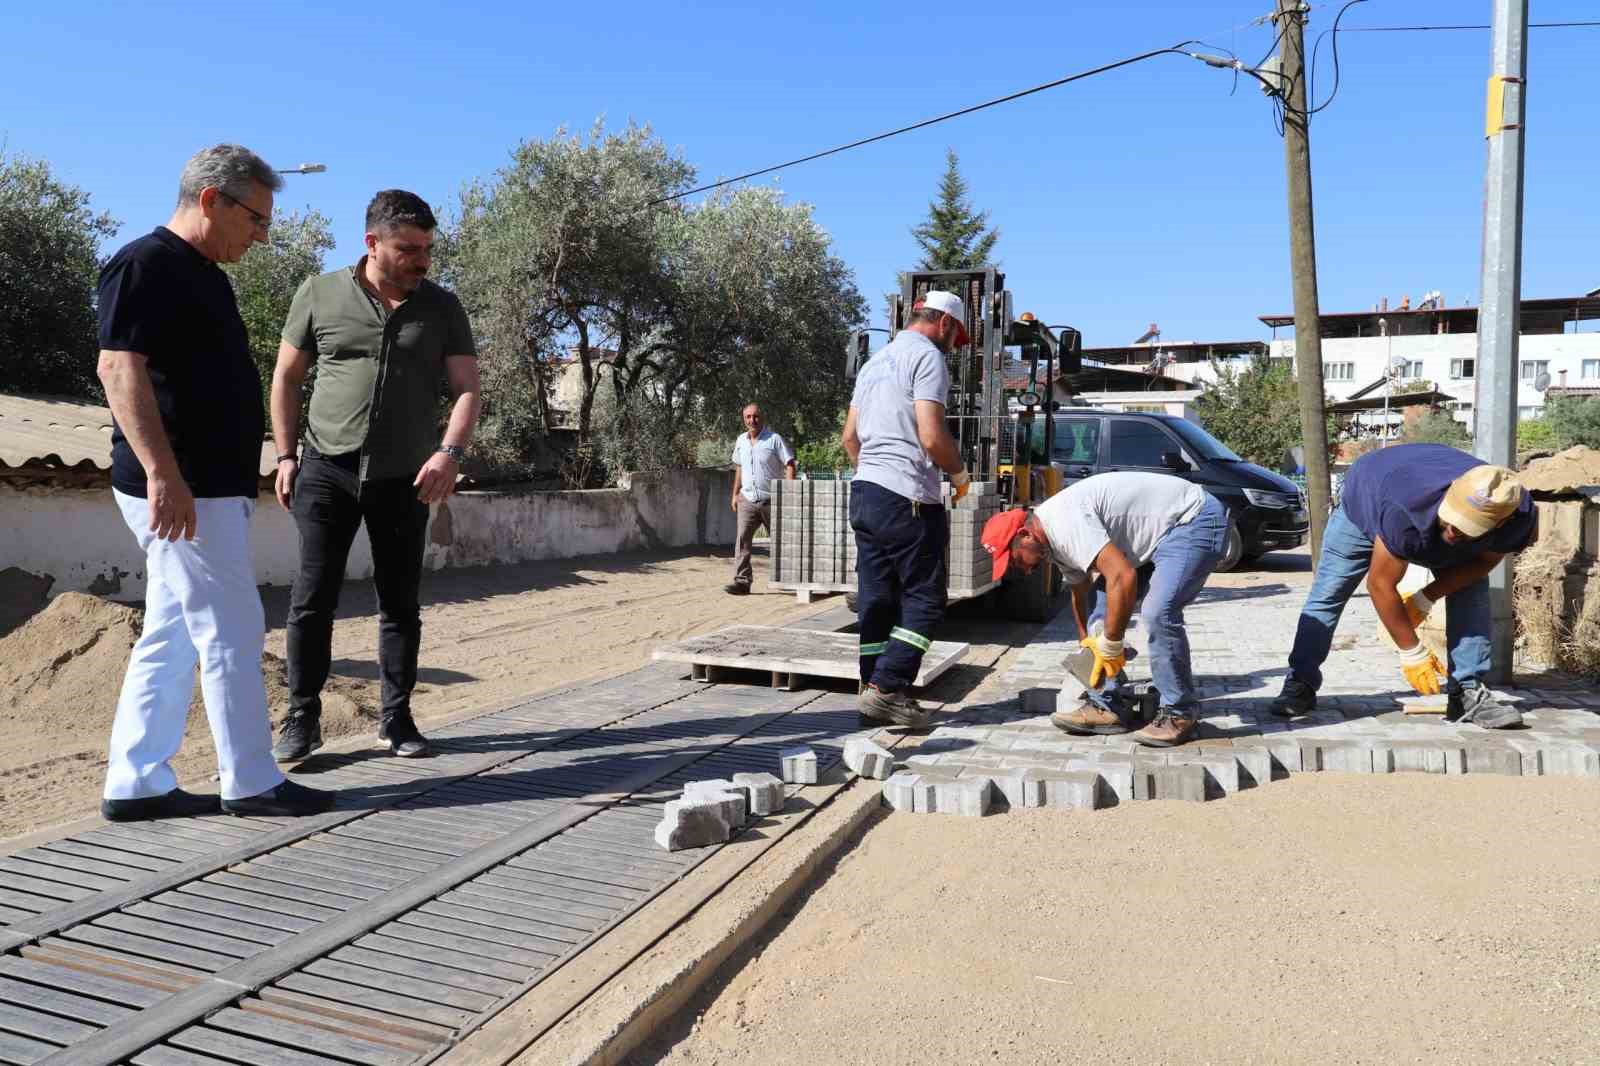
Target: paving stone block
[[1565, 759], [1255, 766], [1493, 759], [1071, 790], [899, 792], [1010, 783], [763, 792], [968, 796], [735, 801], [798, 766], [1039, 699], [1423, 757], [866, 759], [1182, 781], [1220, 767], [1345, 756], [1116, 769], [693, 823]]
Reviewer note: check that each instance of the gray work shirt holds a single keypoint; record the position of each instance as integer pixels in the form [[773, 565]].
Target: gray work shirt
[[907, 369], [759, 461]]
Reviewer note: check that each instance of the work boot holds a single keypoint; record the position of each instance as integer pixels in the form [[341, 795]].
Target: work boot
[[1476, 704], [1089, 720], [1296, 700], [891, 708], [1167, 731], [298, 736], [736, 588], [399, 734]]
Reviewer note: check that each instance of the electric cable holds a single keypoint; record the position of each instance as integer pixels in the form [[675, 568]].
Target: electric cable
[[1311, 83], [1176, 49]]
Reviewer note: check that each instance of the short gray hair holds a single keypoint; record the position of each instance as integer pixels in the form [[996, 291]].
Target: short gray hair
[[231, 168]]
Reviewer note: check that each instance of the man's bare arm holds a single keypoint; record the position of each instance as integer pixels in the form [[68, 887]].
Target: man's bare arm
[[288, 378], [132, 399], [935, 437], [1122, 589], [437, 478], [1383, 581], [850, 439], [1459, 577]]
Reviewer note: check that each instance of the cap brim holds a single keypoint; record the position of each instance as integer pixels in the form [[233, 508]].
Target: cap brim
[[1002, 560], [1472, 524]]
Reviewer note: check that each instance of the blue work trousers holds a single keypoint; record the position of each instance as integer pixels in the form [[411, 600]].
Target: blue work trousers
[[1183, 560], [900, 581], [1346, 555]]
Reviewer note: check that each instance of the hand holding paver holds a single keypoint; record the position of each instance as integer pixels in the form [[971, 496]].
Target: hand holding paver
[[1109, 658], [1422, 669]]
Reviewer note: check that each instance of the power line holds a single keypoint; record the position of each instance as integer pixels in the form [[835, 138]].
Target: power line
[[1475, 26], [1174, 50]]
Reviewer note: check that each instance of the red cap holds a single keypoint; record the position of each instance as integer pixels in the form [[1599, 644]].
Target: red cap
[[998, 533]]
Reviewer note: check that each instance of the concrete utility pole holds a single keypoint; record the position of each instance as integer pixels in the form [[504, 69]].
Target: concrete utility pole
[[1500, 312], [1290, 19]]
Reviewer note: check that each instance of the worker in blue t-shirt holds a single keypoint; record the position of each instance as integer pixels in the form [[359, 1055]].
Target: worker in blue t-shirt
[[1440, 508]]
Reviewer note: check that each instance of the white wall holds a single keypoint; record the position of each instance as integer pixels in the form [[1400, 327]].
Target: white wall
[[77, 536]]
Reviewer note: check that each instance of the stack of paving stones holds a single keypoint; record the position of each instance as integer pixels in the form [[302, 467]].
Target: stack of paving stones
[[813, 544], [1240, 640], [711, 812]]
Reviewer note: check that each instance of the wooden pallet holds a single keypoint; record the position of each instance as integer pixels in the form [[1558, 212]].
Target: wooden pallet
[[789, 656]]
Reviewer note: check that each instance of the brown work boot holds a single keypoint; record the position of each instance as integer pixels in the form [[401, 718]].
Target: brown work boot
[[1088, 720], [1167, 731], [891, 708]]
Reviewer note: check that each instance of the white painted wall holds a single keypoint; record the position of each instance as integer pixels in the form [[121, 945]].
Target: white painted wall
[[77, 536]]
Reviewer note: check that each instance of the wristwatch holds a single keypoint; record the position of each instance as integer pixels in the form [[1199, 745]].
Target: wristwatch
[[289, 457], [454, 451]]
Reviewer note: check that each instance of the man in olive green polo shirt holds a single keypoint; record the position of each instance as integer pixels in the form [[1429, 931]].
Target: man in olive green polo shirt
[[385, 341]]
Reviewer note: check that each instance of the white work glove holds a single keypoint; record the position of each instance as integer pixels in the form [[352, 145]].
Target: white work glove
[[960, 482], [1417, 606], [1422, 669], [1109, 657]]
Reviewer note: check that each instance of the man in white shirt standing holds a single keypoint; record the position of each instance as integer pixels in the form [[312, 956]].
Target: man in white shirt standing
[[759, 455], [1109, 526]]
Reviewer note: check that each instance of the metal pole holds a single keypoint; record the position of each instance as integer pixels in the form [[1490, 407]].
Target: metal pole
[[1290, 18], [1388, 379], [1499, 314]]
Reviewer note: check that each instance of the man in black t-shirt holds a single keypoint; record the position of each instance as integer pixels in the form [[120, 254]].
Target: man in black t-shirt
[[185, 397]]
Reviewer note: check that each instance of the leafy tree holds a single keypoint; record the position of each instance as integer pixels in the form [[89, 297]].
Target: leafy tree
[[265, 280], [1574, 420], [1438, 427], [49, 263], [955, 237], [1255, 410]]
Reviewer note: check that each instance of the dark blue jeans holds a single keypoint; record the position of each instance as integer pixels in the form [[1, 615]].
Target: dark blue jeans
[[900, 579]]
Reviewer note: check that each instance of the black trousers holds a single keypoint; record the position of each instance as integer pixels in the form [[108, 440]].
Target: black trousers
[[330, 503], [900, 581]]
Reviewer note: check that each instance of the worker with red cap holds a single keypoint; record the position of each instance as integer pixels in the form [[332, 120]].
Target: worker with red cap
[[1107, 527], [896, 438]]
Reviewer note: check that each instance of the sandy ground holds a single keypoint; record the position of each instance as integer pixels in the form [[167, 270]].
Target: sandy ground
[[490, 635], [1327, 918]]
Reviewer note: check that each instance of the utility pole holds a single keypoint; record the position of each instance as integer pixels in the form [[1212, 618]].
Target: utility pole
[[1499, 311], [1290, 19]]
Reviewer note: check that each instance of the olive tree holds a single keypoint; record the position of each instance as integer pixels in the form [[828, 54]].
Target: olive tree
[[265, 280]]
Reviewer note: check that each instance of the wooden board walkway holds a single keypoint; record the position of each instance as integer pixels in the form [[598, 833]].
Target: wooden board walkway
[[387, 930], [789, 656]]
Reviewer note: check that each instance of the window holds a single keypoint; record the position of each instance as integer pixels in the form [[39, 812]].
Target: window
[[1077, 441], [1529, 412], [1339, 371], [1591, 368], [1532, 368], [1138, 443], [1410, 369], [1463, 368]]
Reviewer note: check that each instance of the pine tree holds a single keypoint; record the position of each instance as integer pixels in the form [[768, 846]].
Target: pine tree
[[955, 237]]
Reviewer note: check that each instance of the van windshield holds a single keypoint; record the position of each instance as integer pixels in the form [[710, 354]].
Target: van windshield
[[1201, 442]]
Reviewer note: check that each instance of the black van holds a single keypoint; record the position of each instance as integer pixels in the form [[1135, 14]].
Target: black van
[[1267, 511]]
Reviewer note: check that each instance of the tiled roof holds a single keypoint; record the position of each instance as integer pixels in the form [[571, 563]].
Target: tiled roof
[[42, 432]]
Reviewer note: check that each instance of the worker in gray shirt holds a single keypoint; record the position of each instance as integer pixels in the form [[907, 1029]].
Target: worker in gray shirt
[[759, 456], [895, 435]]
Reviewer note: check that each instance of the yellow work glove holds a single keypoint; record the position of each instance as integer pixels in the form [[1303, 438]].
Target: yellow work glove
[[960, 482], [1417, 606], [1109, 658], [1423, 669]]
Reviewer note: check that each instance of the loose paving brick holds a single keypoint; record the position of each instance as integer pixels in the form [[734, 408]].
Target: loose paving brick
[[693, 823], [866, 759], [763, 793], [735, 801], [798, 766]]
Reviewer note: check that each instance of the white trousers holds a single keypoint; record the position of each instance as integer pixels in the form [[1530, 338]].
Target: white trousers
[[201, 606]]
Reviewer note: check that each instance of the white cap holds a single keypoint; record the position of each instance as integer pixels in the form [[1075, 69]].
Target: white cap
[[950, 304]]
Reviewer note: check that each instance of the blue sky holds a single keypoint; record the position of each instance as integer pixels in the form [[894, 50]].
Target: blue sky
[[1149, 194]]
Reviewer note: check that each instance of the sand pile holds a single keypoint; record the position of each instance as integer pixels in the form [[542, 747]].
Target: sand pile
[[1566, 471]]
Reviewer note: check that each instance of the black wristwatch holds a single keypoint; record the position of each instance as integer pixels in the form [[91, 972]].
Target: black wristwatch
[[290, 456], [454, 451]]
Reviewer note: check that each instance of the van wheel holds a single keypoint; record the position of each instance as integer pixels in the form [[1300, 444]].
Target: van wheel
[[1232, 550]]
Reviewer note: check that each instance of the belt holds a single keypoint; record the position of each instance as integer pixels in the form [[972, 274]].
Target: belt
[[350, 461]]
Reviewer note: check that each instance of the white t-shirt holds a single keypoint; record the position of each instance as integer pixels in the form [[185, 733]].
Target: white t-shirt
[[907, 369], [760, 461], [1132, 510]]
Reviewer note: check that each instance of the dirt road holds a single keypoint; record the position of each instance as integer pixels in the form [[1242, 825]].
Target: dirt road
[[1328, 918], [489, 635]]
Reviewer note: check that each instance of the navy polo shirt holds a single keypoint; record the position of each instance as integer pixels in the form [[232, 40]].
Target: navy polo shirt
[[1394, 494], [160, 297]]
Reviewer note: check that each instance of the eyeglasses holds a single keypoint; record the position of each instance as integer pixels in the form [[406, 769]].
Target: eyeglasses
[[263, 222]]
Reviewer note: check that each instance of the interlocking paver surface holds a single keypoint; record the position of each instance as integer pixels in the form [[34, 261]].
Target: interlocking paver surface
[[1240, 639]]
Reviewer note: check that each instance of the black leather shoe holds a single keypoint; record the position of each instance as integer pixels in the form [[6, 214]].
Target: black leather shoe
[[736, 588], [287, 800], [175, 804], [399, 734], [298, 736]]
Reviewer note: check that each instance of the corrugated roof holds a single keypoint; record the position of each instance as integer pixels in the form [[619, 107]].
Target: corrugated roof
[[66, 433]]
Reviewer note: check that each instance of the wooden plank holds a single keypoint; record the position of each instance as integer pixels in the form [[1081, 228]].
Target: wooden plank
[[286, 874], [55, 890], [67, 1005], [583, 861], [42, 1026], [177, 935], [421, 1032], [389, 981], [377, 999], [550, 914], [114, 991], [813, 652], [350, 874], [445, 924], [198, 927], [401, 838], [466, 945], [21, 1050], [101, 959], [162, 1055], [144, 947], [123, 866], [250, 1052], [426, 971], [558, 885], [9, 915], [380, 855], [564, 868], [359, 1029], [207, 890], [119, 838], [503, 922], [27, 901], [285, 892], [492, 897], [445, 957], [649, 856], [285, 924]]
